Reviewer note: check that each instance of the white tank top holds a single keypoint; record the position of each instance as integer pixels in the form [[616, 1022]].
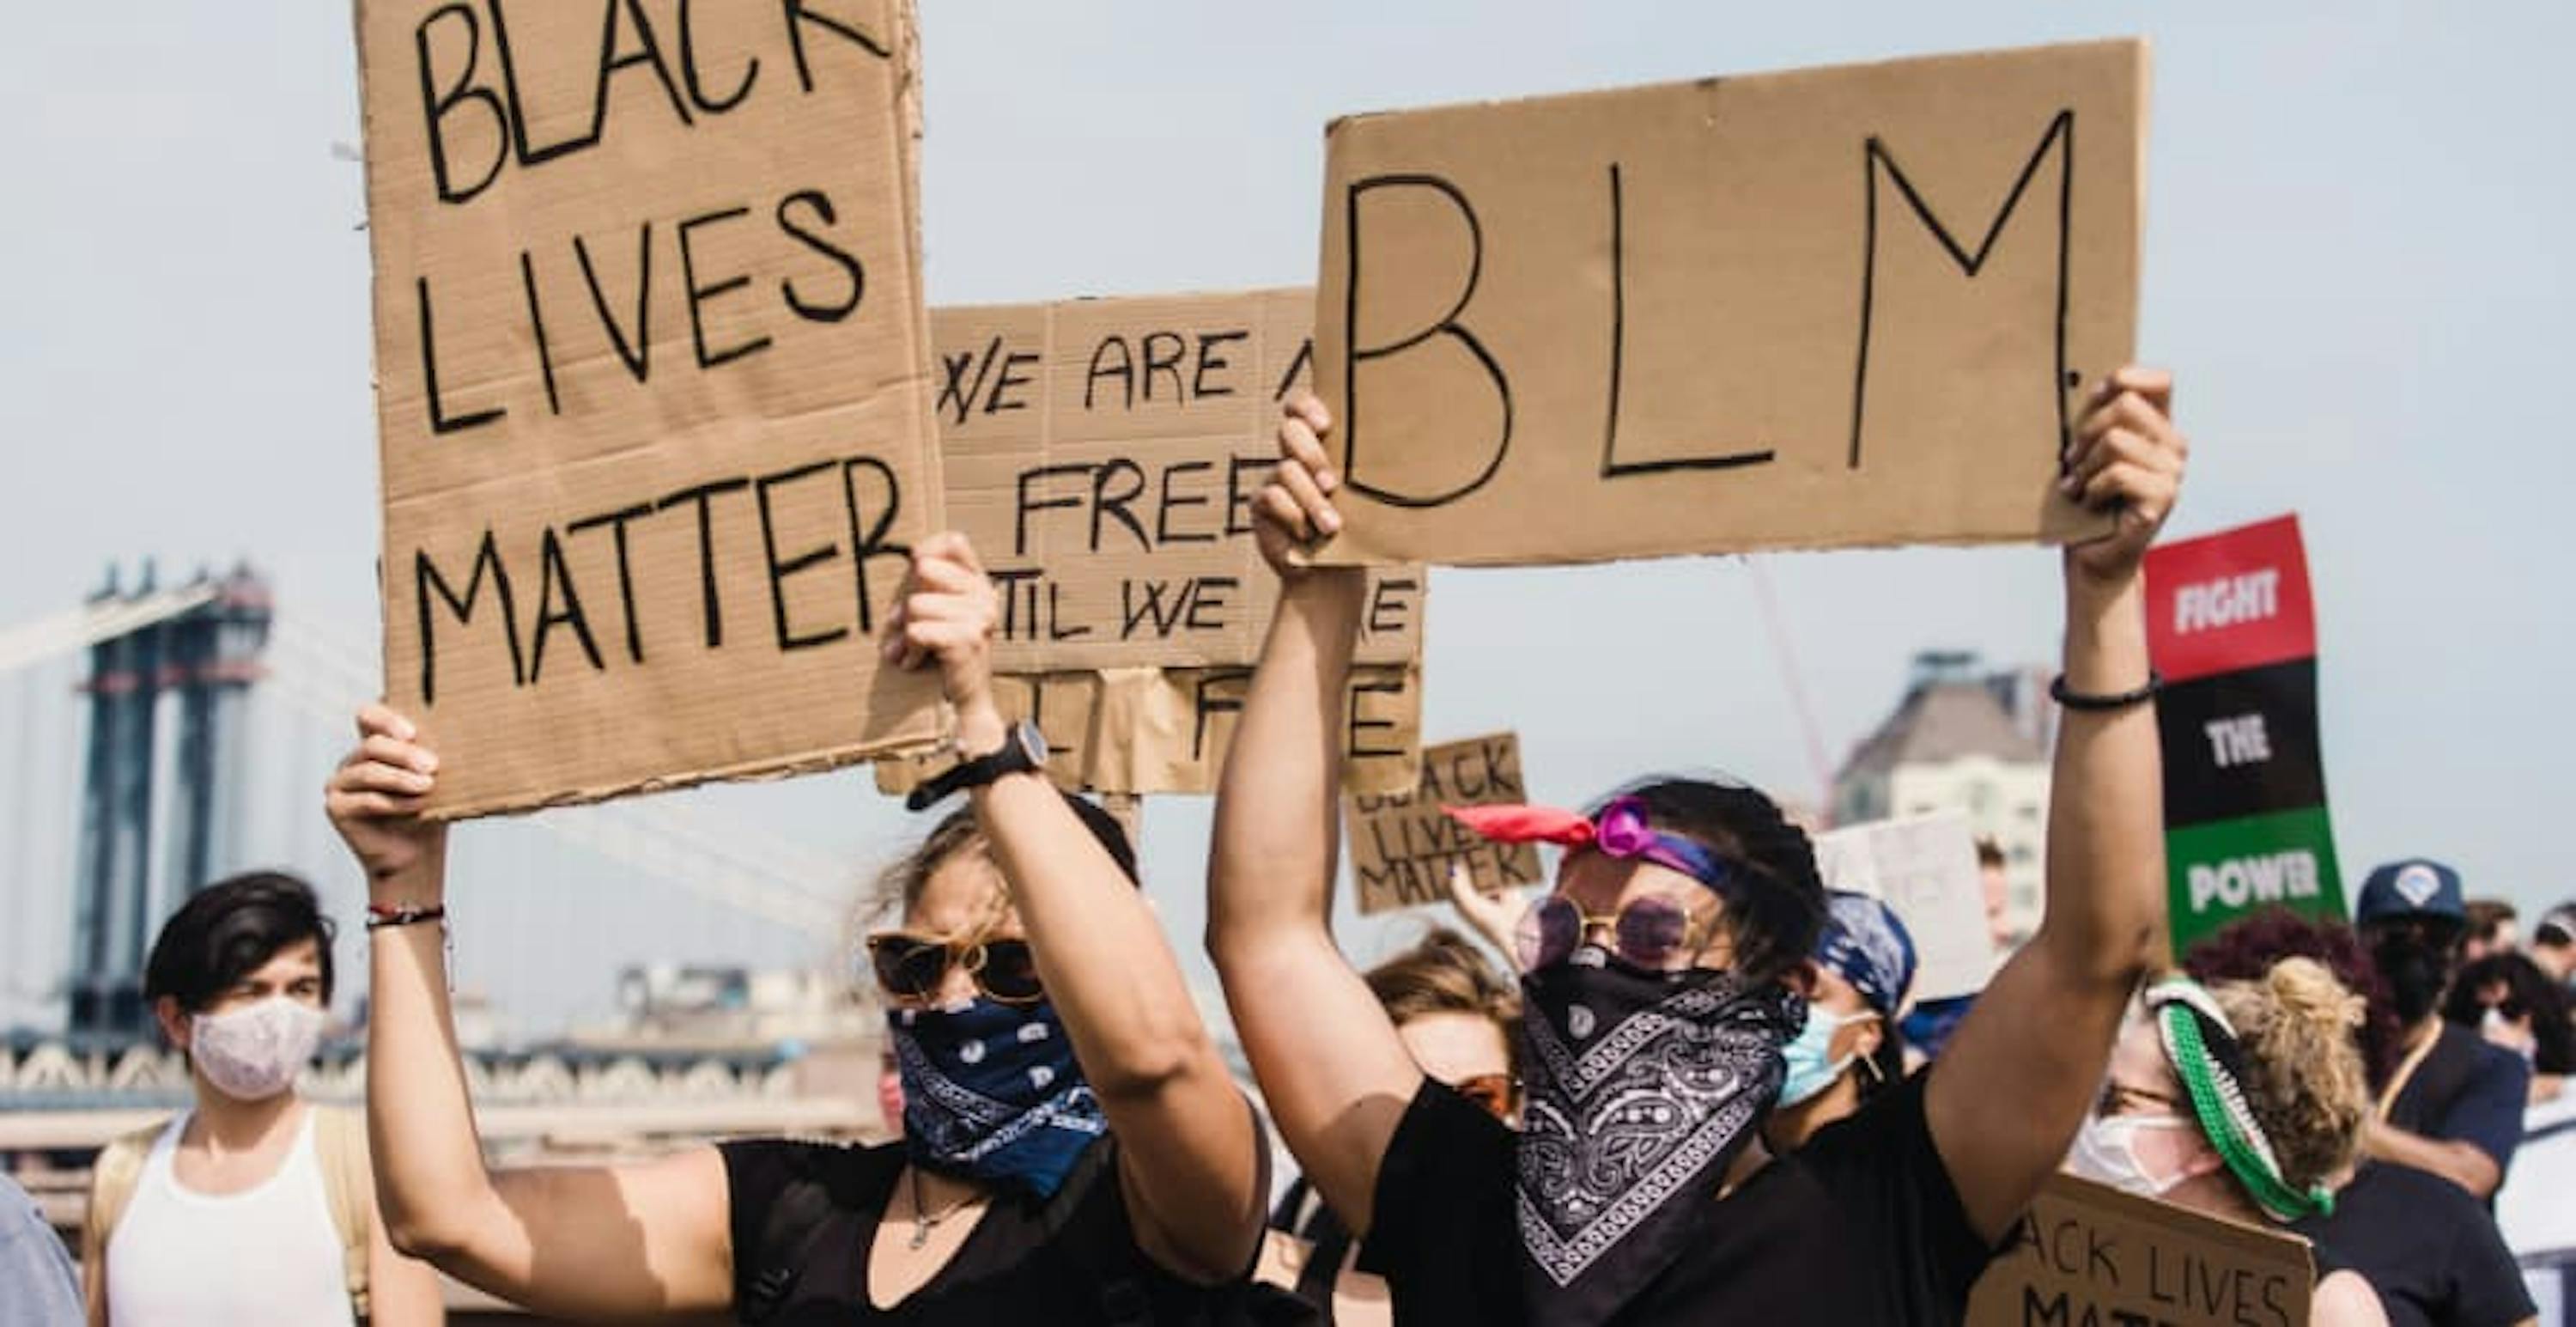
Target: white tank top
[[267, 1255]]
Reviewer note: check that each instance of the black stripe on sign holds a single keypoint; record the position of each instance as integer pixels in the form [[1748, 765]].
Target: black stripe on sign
[[2242, 743]]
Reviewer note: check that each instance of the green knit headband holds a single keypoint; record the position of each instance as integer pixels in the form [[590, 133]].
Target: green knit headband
[[2203, 1049]]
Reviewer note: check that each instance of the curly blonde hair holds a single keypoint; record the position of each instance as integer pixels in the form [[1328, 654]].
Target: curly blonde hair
[[2304, 1077]]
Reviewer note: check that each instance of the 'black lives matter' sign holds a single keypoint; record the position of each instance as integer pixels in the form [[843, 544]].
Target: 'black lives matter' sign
[[653, 385], [1403, 846]]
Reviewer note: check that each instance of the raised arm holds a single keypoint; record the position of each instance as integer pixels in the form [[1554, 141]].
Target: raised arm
[[1336, 1076], [589, 1243], [1190, 1157], [2040, 1036]]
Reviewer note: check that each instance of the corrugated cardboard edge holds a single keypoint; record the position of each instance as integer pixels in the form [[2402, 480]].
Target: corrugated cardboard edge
[[1351, 119], [755, 771]]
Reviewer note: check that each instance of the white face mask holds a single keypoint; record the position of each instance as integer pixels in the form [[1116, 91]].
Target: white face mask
[[254, 1052], [2106, 1152]]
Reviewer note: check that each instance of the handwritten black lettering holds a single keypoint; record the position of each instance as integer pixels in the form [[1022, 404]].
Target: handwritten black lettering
[[1611, 466], [1207, 361], [790, 640], [702, 496], [1163, 531], [440, 422], [438, 103], [426, 581], [635, 351], [1877, 162], [699, 295], [696, 78], [616, 522], [801, 16], [554, 574], [1124, 372], [1355, 355], [852, 271]]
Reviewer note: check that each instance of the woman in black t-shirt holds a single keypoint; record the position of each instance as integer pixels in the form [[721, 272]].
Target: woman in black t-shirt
[[1663, 978], [2246, 1100], [1074, 1149]]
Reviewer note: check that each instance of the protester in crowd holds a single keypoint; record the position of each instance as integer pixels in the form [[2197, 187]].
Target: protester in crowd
[[2454, 1105], [37, 1285], [2553, 943], [253, 1206], [2491, 924], [1850, 1050], [1672, 957], [1074, 1149], [2244, 1100], [1996, 892], [1460, 1020], [2508, 1000], [2432, 1252], [2246, 949]]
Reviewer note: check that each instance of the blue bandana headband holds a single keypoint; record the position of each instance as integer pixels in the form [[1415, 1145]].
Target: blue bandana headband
[[1866, 944]]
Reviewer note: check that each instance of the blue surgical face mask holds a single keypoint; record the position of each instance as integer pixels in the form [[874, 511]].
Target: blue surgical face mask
[[1811, 1068]]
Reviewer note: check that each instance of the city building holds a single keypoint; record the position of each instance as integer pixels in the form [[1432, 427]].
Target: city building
[[1964, 739]]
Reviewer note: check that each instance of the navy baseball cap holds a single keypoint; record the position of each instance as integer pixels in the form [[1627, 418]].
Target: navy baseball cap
[[2415, 888]]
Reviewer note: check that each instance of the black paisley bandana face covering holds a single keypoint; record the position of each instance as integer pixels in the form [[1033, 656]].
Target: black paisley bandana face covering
[[1642, 1089]]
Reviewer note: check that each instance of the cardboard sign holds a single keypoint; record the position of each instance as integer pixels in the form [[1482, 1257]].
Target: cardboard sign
[[2232, 628], [1839, 307], [2092, 1256], [1402, 847], [653, 386], [1166, 730], [1924, 867], [1104, 455]]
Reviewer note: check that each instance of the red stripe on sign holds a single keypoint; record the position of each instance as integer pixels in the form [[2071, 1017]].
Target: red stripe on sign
[[2229, 601]]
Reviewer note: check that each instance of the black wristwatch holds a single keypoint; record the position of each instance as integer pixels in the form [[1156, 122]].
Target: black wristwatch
[[1024, 751]]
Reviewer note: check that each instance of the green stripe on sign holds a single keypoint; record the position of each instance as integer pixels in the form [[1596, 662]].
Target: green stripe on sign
[[2228, 868]]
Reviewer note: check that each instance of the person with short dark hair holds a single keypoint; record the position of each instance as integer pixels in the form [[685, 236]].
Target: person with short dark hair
[[1665, 977], [1074, 1148], [2507, 999], [2490, 929], [2454, 1105], [253, 1206]]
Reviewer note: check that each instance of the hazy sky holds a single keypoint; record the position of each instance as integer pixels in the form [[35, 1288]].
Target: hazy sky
[[2353, 263]]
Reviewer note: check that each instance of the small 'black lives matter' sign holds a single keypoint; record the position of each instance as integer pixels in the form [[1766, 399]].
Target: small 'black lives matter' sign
[[1403, 847]]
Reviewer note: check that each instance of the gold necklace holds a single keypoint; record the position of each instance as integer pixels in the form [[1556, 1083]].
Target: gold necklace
[[925, 1221]]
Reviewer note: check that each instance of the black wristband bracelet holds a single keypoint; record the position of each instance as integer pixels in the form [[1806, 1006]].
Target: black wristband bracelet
[[2077, 700], [381, 916]]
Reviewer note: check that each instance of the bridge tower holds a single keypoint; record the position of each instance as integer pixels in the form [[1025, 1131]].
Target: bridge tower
[[159, 818]]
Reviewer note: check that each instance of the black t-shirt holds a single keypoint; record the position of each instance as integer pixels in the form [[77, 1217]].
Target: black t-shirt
[[2468, 1091], [1070, 1259], [2427, 1247], [1860, 1226]]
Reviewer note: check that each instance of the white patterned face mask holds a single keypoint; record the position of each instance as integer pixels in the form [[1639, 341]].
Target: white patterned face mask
[[254, 1052]]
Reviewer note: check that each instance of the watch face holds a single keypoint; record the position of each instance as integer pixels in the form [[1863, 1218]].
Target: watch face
[[1033, 740]]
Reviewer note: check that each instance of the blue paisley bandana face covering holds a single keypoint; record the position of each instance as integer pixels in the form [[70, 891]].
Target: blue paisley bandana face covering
[[991, 1092], [1642, 1089]]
